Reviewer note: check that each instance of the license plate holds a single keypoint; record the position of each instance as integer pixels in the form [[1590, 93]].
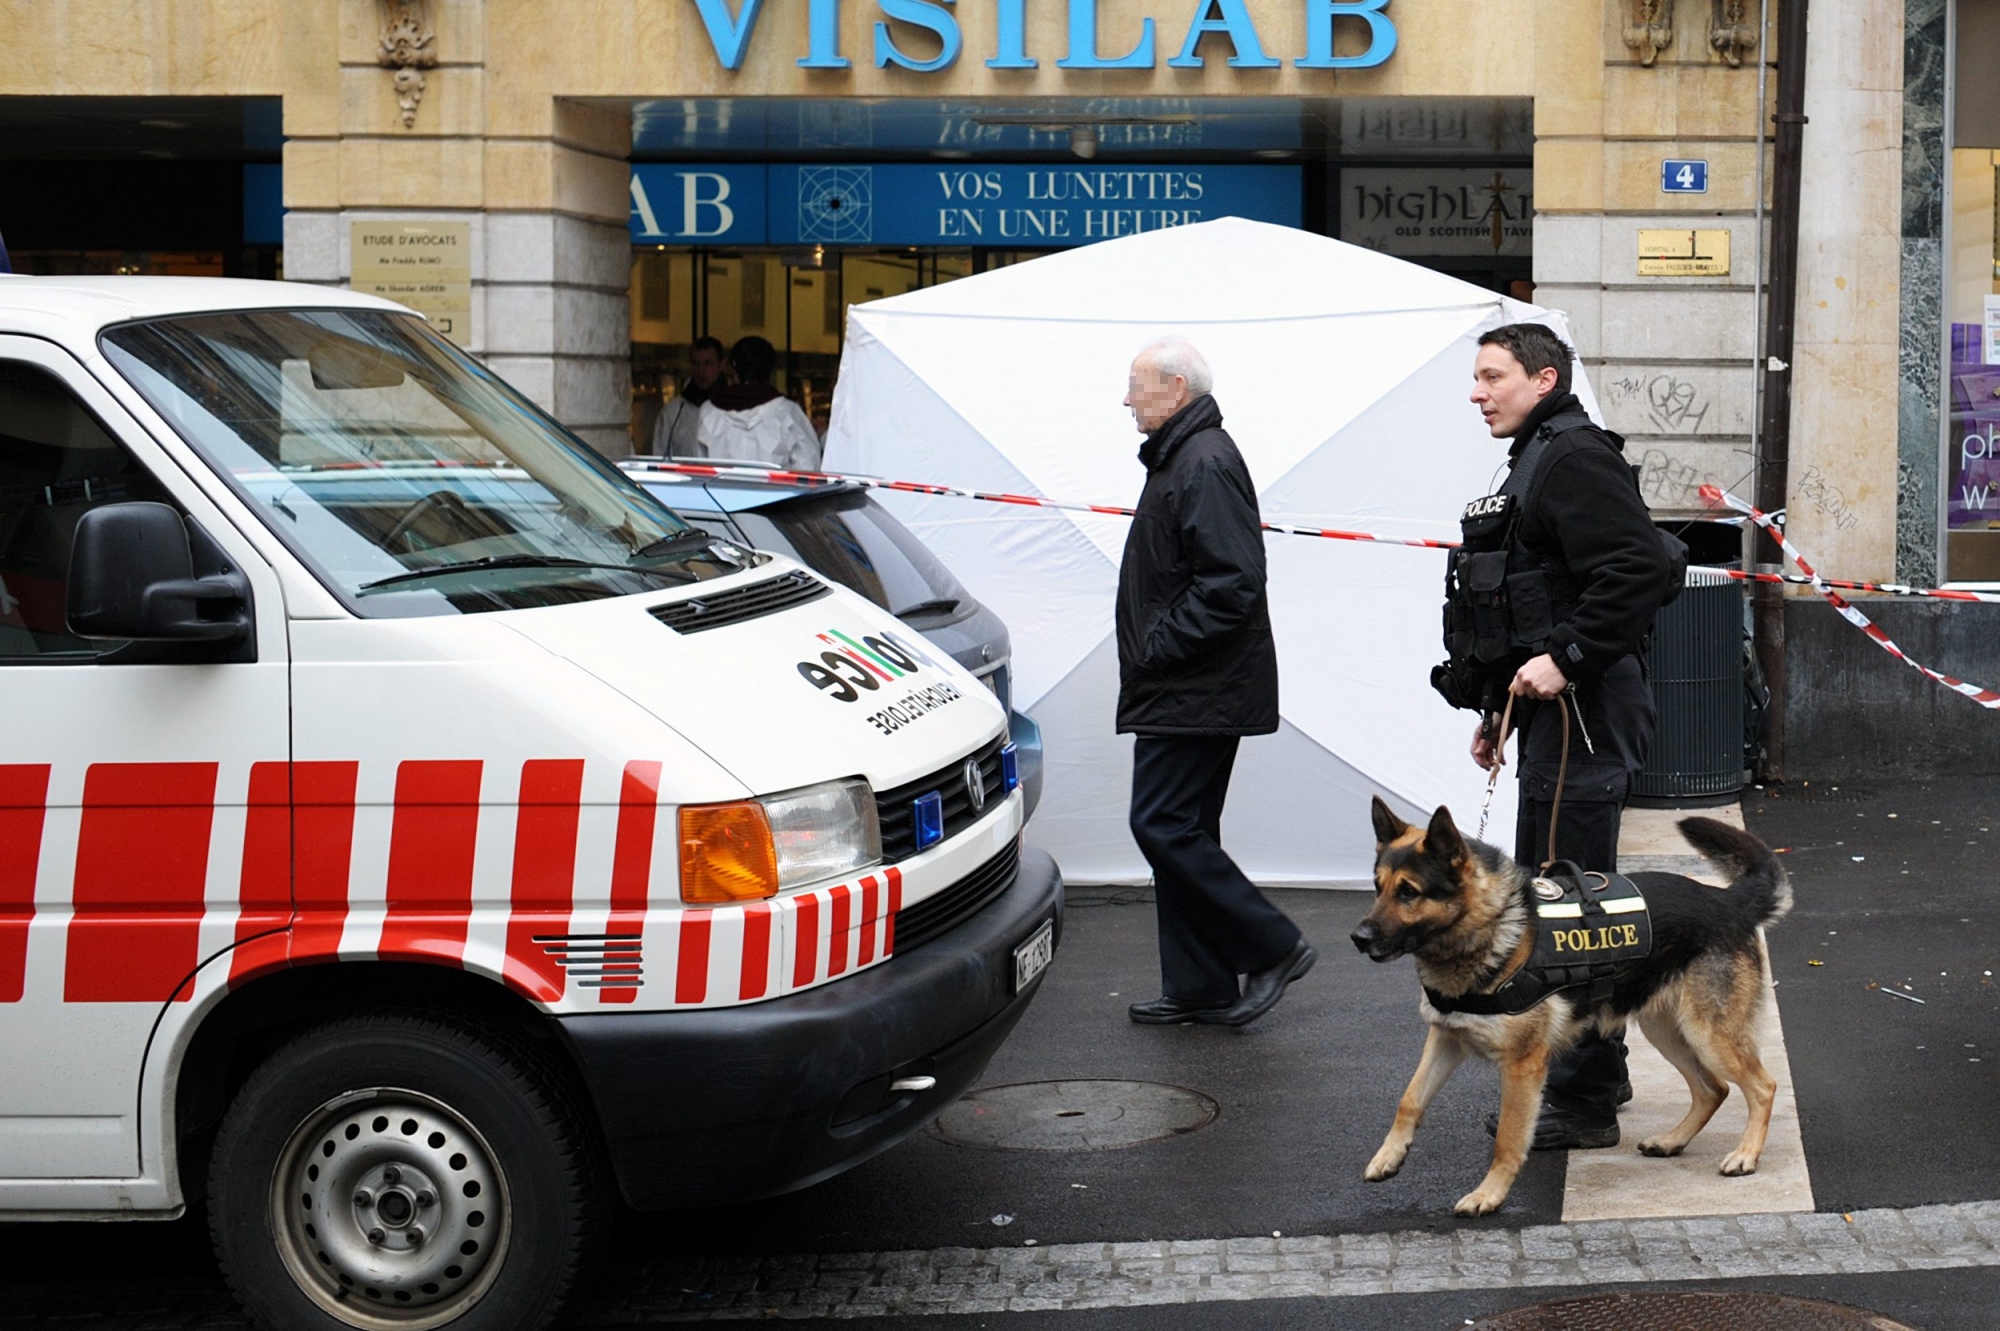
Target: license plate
[[1033, 956]]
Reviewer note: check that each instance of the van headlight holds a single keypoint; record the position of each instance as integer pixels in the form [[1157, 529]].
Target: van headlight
[[747, 850]]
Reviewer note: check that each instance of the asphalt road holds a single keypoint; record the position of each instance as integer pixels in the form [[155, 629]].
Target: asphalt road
[[1896, 1103]]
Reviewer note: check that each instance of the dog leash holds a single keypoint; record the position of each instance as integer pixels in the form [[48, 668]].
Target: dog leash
[[1562, 770], [1500, 760], [1493, 772]]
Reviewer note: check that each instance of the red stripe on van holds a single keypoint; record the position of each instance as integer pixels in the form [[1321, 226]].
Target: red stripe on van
[[430, 861], [24, 797], [865, 949], [264, 891], [836, 949], [895, 877], [545, 833], [805, 961], [632, 863], [323, 851], [691, 978], [141, 878], [756, 972]]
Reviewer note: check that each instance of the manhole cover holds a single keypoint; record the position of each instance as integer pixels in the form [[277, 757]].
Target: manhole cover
[[1074, 1115], [1684, 1310]]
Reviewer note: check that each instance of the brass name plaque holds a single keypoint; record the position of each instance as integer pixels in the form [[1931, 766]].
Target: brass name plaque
[[1664, 253], [424, 265]]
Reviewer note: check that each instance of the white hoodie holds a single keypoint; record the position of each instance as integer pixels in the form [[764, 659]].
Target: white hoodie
[[775, 433]]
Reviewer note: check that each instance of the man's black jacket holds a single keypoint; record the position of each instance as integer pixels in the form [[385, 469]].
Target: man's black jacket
[[1584, 515], [1195, 655]]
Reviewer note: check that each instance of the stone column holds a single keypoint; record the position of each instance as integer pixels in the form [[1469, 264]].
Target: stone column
[[1670, 357], [1842, 500], [541, 183], [559, 264]]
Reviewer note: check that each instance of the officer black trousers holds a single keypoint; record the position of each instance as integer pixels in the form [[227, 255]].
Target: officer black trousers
[[1214, 923], [1611, 728]]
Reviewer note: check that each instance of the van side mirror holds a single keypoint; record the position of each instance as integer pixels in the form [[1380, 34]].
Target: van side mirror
[[132, 577]]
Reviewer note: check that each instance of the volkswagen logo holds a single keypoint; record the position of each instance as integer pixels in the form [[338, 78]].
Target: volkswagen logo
[[975, 785]]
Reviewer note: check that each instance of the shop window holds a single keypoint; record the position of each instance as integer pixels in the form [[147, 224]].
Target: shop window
[[1972, 433], [1971, 470]]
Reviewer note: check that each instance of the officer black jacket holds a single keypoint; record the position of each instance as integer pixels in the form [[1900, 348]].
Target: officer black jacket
[[1195, 655], [1584, 516]]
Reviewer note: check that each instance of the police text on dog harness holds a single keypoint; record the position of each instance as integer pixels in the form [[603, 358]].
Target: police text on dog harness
[[1587, 926]]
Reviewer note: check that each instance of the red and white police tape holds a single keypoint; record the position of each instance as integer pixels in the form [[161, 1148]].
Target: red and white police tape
[[1713, 495], [1984, 697], [728, 470]]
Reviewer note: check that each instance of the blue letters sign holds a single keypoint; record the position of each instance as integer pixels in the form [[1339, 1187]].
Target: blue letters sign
[[731, 30], [958, 204], [1678, 176]]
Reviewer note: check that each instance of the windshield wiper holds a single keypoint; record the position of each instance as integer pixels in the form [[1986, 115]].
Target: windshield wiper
[[680, 543], [942, 605], [496, 561]]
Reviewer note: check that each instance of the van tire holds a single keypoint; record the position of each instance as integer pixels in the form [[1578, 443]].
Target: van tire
[[408, 1113]]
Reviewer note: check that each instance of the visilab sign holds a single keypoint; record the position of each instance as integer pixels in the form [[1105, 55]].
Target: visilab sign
[[731, 35]]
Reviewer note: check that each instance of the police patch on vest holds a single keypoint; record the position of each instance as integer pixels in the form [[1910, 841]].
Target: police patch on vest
[[1587, 925], [1591, 920]]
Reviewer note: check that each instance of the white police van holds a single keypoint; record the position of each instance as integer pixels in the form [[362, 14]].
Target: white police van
[[411, 832]]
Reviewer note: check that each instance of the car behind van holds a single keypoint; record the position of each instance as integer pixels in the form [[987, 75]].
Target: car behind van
[[840, 532], [414, 837]]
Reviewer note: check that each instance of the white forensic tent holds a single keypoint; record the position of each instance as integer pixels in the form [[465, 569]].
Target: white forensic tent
[[1342, 375]]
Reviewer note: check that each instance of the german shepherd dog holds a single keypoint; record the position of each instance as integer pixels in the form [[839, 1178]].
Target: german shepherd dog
[[1464, 911]]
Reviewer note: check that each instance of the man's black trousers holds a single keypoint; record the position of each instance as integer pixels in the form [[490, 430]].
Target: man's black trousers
[[1214, 923], [1616, 714]]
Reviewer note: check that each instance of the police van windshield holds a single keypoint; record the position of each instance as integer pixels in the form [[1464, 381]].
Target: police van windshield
[[407, 476]]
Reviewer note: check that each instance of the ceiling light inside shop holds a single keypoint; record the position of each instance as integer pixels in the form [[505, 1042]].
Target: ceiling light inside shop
[[1083, 140], [164, 124]]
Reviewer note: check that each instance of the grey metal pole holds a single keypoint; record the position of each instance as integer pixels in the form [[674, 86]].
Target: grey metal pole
[[1774, 435]]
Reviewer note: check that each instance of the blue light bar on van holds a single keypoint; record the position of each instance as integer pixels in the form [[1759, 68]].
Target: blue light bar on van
[[1010, 768], [927, 815]]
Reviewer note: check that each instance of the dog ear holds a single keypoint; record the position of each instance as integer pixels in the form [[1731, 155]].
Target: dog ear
[[1442, 839], [1387, 825]]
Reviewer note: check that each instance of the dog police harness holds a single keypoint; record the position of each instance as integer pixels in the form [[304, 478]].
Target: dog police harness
[[1588, 926]]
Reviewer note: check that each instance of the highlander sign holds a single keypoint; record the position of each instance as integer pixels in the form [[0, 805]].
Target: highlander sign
[[1042, 207], [1429, 212]]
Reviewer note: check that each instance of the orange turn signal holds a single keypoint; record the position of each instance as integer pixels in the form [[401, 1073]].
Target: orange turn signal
[[727, 853]]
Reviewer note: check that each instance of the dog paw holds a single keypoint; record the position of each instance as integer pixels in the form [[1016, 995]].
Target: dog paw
[[1738, 1163], [1387, 1162], [1660, 1147], [1481, 1201]]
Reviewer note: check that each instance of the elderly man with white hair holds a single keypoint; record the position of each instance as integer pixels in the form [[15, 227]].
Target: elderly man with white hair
[[1197, 671]]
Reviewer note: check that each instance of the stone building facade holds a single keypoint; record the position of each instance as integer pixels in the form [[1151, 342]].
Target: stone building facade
[[517, 118]]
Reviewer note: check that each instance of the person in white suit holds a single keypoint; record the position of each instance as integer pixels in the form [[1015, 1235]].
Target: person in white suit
[[750, 421]]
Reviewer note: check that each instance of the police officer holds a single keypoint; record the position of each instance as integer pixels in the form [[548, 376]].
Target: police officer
[[1549, 598]]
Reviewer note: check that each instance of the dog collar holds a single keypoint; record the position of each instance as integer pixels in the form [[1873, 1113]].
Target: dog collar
[[1588, 926]]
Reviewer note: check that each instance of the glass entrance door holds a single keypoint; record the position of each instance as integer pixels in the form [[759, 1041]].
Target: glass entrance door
[[795, 299]]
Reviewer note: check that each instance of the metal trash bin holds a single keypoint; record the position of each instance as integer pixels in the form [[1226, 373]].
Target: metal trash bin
[[1696, 669]]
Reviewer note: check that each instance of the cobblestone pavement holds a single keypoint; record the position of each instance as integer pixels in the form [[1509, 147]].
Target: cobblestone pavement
[[1121, 1275]]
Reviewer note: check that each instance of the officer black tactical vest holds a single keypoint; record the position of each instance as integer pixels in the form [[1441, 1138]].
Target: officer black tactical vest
[[1501, 603], [1587, 926]]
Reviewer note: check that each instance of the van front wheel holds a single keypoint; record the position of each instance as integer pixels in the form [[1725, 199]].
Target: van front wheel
[[404, 1172]]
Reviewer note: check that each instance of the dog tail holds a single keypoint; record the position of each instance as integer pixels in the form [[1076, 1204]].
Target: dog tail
[[1750, 865]]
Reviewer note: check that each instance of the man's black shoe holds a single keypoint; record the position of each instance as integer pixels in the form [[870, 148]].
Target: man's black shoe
[[1560, 1130], [1262, 989], [1173, 1012], [1625, 1091]]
